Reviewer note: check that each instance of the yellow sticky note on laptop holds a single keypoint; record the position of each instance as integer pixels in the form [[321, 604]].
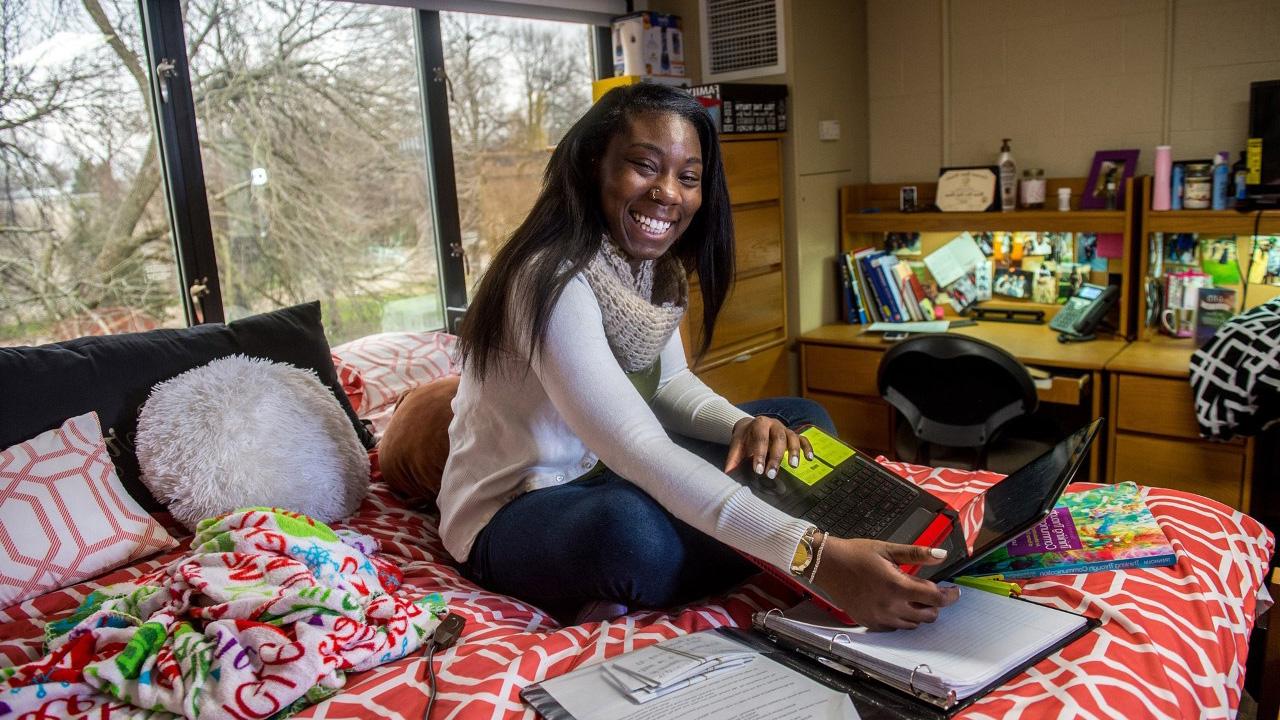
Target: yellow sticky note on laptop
[[809, 471], [828, 449]]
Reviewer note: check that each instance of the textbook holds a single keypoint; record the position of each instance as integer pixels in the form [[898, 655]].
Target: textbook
[[977, 644], [1104, 528]]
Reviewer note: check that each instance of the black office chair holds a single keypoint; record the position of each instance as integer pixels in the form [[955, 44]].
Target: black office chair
[[956, 396]]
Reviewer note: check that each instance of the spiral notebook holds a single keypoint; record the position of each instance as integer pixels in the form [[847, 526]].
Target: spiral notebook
[[977, 644]]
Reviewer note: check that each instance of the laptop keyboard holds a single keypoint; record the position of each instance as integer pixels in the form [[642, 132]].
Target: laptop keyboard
[[858, 502]]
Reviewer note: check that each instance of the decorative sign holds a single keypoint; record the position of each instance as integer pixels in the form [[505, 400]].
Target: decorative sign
[[967, 189]]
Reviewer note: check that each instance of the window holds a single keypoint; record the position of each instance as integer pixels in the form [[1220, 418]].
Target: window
[[516, 86], [85, 247], [312, 143]]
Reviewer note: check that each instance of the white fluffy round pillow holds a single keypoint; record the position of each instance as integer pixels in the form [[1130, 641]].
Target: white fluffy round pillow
[[242, 432]]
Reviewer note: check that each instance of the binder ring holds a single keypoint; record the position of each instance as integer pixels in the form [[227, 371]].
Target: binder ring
[[831, 644], [911, 681], [771, 611]]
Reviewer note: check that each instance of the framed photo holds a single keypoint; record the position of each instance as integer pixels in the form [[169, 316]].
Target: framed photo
[[968, 189], [1110, 168], [907, 198]]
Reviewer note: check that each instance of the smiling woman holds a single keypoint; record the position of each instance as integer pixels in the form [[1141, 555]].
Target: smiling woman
[[588, 468]]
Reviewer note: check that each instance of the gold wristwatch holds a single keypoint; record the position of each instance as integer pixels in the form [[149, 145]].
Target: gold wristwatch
[[804, 553]]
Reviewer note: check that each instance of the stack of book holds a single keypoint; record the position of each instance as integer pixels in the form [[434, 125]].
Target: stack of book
[[876, 286]]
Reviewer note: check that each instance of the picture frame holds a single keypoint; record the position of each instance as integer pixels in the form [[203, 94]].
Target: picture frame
[[1105, 162], [974, 188], [907, 198]]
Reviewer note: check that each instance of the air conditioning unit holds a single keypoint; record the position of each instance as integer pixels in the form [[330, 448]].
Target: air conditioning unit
[[741, 39]]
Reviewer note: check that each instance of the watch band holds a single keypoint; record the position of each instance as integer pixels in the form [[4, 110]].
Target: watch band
[[803, 558]]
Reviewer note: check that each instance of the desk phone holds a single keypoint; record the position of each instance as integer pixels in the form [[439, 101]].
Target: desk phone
[[1085, 309]]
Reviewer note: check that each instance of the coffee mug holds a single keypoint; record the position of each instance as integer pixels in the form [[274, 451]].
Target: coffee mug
[[1179, 322]]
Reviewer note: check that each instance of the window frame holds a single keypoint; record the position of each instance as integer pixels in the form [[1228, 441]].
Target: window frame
[[182, 169]]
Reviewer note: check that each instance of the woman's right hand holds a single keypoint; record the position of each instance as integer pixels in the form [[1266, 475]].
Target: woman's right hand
[[862, 577]]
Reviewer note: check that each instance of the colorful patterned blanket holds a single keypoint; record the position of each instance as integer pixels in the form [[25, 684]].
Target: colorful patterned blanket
[[266, 614]]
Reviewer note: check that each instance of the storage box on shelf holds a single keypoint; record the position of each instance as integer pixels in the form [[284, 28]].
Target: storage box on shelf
[[1154, 438], [747, 358]]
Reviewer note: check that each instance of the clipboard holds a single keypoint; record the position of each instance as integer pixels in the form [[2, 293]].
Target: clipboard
[[876, 695]]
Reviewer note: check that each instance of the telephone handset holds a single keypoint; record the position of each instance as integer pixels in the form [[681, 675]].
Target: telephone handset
[[1083, 311]]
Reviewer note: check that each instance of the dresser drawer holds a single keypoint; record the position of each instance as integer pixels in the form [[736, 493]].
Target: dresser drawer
[[843, 370], [750, 376], [864, 423], [751, 168], [754, 308], [1212, 471], [1157, 406], [757, 236]]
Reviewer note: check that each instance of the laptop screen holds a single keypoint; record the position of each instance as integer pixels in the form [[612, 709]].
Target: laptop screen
[[1014, 505]]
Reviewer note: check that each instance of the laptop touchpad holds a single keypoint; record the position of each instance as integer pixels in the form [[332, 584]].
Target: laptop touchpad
[[912, 526]]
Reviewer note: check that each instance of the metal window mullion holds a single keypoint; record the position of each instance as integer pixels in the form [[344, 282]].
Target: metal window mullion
[[603, 45], [440, 176], [183, 172]]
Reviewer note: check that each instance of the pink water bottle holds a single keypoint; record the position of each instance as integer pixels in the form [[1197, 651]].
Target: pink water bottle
[[1164, 164]]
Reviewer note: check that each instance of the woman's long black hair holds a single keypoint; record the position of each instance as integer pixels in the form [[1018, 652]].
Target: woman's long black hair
[[563, 231]]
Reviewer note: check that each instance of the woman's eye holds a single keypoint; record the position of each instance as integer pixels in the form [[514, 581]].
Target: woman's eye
[[644, 166], [690, 180]]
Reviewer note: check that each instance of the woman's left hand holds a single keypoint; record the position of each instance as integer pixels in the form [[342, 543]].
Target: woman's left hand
[[764, 441]]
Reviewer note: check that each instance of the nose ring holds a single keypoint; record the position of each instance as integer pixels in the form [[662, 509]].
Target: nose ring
[[653, 193]]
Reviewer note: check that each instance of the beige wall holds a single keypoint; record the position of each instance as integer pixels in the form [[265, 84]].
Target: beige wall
[[826, 78], [948, 78]]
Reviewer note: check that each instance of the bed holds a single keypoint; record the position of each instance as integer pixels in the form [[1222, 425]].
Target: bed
[[1172, 643]]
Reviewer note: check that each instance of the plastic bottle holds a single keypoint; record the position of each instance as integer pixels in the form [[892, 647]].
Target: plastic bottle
[[1161, 185], [1008, 179], [1175, 186], [1240, 177], [1221, 178]]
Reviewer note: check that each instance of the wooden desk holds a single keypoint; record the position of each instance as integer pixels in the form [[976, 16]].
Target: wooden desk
[[1153, 438], [838, 366]]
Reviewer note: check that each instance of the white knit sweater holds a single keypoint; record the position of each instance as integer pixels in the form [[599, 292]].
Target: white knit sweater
[[523, 430]]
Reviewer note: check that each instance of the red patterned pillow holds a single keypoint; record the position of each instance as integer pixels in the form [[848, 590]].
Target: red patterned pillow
[[64, 516], [391, 364]]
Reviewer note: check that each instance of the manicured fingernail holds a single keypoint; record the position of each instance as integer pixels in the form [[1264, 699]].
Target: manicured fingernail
[[759, 468], [773, 473], [939, 553], [794, 460], [809, 454]]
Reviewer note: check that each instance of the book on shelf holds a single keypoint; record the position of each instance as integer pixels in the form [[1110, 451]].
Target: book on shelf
[[875, 279], [977, 644], [883, 265], [848, 309], [855, 286], [1214, 306], [1108, 527]]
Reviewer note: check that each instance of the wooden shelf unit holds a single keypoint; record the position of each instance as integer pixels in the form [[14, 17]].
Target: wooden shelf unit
[[867, 211], [1202, 222], [747, 359]]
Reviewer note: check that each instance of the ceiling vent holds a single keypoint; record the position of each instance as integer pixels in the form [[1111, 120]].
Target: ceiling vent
[[741, 39]]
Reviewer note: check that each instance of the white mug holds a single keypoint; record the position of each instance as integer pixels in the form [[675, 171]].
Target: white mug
[[1179, 322]]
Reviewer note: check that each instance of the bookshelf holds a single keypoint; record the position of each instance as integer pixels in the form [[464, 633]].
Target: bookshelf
[[869, 211], [1216, 223]]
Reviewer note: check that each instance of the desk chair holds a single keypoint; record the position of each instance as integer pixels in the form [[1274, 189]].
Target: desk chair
[[956, 395]]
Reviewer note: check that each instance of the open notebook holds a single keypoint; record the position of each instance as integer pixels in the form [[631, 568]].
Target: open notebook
[[977, 643]]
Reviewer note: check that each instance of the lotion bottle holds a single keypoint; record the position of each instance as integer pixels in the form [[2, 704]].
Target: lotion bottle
[[1008, 178]]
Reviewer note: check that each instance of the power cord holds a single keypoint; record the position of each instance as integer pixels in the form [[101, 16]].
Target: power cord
[[445, 635]]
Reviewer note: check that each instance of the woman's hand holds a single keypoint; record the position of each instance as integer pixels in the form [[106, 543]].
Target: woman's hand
[[862, 577], [763, 441]]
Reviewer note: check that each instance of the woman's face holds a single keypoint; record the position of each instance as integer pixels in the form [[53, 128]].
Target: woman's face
[[651, 183]]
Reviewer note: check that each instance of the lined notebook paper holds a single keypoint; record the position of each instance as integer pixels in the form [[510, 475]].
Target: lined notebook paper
[[975, 641]]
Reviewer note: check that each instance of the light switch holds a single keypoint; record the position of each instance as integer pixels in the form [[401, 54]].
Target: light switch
[[829, 130]]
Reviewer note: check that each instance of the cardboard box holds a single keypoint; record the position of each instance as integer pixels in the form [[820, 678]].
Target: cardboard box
[[600, 87], [648, 43], [745, 107]]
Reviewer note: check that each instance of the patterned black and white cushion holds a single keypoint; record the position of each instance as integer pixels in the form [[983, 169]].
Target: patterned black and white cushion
[[1236, 375]]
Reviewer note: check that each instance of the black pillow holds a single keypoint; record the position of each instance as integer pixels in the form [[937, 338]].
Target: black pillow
[[40, 387]]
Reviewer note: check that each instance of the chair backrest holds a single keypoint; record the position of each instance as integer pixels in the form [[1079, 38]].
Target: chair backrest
[[955, 390]]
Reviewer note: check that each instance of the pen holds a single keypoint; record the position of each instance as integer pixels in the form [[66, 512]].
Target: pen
[[986, 585]]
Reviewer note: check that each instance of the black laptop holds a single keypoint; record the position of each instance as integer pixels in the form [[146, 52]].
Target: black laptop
[[848, 494]]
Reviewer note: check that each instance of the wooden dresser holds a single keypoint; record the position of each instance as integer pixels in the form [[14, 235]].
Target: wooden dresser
[[747, 359], [1153, 436]]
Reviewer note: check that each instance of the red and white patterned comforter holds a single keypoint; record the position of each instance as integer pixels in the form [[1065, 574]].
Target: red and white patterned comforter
[[1173, 641]]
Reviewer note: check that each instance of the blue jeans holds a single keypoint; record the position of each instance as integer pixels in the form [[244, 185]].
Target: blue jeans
[[602, 538]]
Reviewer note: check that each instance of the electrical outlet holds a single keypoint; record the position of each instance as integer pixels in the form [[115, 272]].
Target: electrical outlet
[[829, 130]]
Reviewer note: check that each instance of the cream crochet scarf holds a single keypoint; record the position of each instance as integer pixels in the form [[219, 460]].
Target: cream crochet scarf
[[641, 309]]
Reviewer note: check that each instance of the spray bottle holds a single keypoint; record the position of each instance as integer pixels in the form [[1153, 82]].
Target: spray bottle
[[1008, 178]]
